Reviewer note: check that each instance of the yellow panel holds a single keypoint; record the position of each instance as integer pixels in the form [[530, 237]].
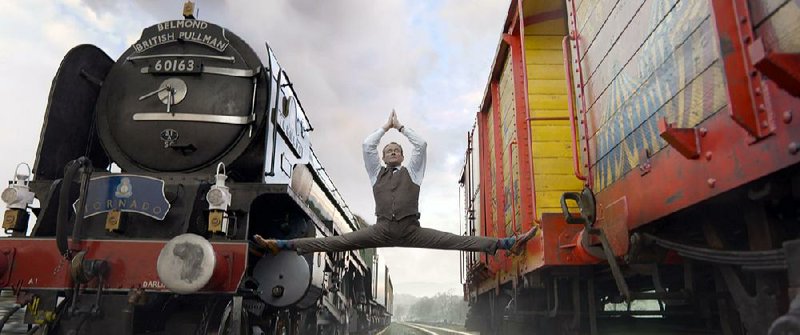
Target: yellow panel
[[552, 86], [551, 142], [554, 57], [549, 113], [550, 209], [552, 166], [557, 182], [540, 6], [552, 133], [546, 101], [544, 71], [551, 123], [553, 27], [549, 198], [543, 42], [551, 149]]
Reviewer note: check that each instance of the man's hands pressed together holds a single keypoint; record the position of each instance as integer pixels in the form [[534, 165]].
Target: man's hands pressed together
[[393, 122]]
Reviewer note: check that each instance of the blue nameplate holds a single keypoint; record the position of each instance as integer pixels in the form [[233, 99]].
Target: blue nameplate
[[126, 193]]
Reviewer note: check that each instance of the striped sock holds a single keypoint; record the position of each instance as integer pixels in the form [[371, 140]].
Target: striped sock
[[282, 244], [506, 243]]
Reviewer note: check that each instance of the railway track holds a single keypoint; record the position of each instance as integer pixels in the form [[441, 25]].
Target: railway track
[[410, 328], [14, 322]]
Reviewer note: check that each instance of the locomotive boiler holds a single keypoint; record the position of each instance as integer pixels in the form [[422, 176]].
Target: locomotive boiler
[[151, 173], [655, 143]]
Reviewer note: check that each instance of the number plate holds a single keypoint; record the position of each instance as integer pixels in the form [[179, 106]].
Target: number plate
[[175, 65]]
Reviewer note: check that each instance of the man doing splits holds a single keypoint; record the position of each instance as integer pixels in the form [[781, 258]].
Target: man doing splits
[[396, 190]]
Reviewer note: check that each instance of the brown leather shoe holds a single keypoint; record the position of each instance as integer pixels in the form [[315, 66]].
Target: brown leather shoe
[[271, 245], [522, 240]]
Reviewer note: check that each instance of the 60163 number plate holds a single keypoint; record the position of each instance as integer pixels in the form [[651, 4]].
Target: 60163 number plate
[[175, 65]]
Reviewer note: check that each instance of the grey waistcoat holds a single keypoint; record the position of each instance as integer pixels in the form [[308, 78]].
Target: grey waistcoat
[[396, 196]]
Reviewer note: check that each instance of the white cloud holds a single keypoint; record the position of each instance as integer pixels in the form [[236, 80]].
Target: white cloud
[[62, 34]]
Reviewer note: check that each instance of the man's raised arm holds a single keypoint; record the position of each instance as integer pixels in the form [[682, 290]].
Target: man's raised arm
[[370, 150], [419, 152]]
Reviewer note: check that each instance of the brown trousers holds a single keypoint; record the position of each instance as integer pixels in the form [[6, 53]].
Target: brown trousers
[[405, 232]]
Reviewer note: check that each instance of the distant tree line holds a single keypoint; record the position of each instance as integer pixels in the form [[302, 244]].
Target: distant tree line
[[442, 308]]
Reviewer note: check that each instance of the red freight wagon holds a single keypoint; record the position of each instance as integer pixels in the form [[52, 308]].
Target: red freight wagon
[[655, 143]]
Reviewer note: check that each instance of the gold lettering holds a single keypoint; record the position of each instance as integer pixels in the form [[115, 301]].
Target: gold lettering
[[109, 204], [145, 205], [96, 206], [133, 204], [121, 203], [156, 210]]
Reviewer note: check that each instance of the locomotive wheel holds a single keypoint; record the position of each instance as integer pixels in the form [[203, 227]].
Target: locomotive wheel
[[228, 320], [285, 323]]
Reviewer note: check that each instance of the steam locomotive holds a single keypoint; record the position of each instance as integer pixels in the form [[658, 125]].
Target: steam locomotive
[[152, 171]]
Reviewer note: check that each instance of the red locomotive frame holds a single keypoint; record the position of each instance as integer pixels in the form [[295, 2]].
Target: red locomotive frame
[[133, 261]]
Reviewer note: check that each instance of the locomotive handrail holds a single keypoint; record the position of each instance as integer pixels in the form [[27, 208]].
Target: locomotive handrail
[[224, 71], [336, 196], [225, 58], [576, 158], [195, 117]]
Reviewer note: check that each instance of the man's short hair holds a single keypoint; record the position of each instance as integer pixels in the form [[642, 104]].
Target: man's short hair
[[383, 151]]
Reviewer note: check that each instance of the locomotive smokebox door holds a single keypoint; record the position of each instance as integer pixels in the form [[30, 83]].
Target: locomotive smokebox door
[[182, 98]]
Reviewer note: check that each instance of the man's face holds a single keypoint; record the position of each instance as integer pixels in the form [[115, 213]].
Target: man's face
[[392, 155]]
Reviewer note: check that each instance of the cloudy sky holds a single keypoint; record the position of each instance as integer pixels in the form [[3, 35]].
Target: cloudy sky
[[351, 62]]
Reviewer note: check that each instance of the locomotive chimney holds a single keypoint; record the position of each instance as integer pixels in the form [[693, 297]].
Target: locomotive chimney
[[188, 10]]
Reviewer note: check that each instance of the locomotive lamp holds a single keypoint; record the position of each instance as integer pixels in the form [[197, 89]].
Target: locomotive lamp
[[219, 198], [17, 198]]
